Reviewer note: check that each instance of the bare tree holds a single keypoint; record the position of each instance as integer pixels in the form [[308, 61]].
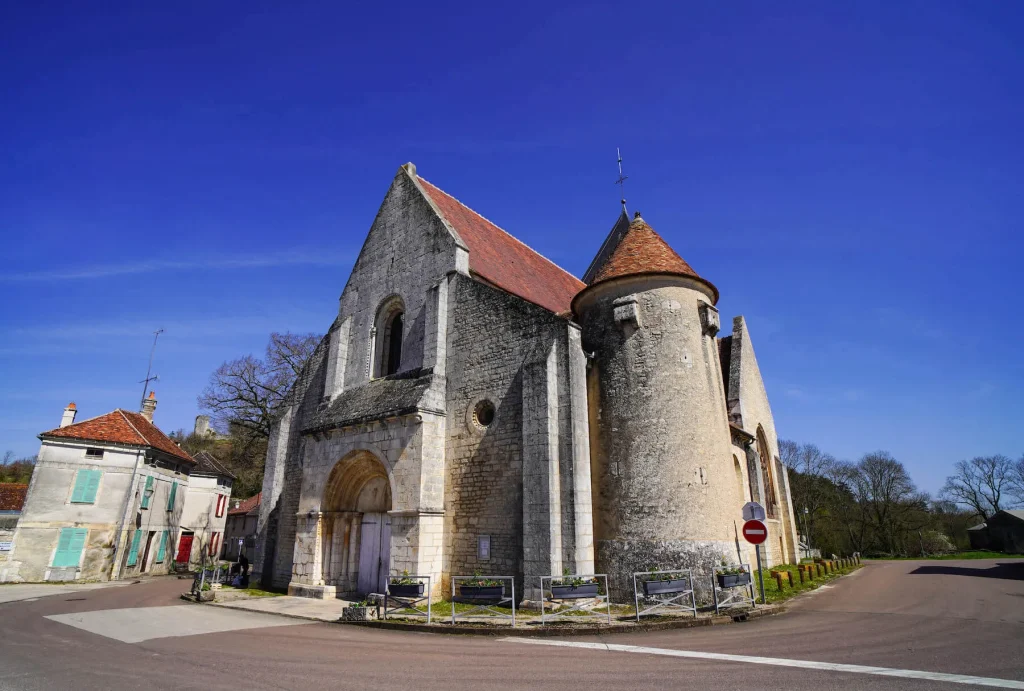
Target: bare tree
[[1017, 480], [245, 392], [809, 483], [984, 484], [891, 507]]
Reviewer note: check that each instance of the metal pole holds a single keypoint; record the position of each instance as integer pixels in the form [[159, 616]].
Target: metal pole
[[760, 573], [149, 368]]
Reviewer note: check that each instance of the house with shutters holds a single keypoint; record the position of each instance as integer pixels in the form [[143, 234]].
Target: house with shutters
[[205, 511], [240, 529], [107, 499]]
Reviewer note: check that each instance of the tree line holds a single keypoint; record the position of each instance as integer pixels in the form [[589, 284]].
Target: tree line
[[873, 507], [16, 470]]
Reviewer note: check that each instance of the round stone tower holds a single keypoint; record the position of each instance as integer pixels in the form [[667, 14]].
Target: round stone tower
[[666, 494]]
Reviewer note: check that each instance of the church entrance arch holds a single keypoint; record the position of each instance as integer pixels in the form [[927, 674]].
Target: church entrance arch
[[356, 524]]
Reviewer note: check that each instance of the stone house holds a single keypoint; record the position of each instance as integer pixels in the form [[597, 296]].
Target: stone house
[[243, 517], [105, 500], [204, 513], [476, 408], [12, 498]]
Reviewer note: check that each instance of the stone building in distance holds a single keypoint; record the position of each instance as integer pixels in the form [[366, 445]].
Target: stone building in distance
[[476, 408]]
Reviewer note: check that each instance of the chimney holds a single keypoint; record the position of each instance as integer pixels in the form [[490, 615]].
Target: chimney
[[69, 415], [149, 406]]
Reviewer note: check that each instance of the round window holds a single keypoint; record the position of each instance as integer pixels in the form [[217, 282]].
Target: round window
[[483, 414]]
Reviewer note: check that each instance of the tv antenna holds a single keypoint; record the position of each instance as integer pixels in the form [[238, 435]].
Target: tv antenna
[[621, 182], [155, 377]]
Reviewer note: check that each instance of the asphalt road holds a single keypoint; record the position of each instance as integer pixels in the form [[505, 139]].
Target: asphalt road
[[958, 618]]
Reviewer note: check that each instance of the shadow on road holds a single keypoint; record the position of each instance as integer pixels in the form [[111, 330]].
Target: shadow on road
[[1010, 571]]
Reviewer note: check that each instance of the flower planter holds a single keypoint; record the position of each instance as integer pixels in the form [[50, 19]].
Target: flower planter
[[405, 589], [481, 593], [357, 613], [574, 592], [676, 585], [731, 580]]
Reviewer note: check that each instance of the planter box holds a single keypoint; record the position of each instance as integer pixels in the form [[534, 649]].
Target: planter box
[[358, 613], [405, 590], [676, 585], [731, 580], [574, 592], [481, 593]]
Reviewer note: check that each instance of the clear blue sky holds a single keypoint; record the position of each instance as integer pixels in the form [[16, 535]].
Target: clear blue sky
[[848, 174]]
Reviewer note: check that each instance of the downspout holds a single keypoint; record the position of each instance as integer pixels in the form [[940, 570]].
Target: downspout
[[115, 570]]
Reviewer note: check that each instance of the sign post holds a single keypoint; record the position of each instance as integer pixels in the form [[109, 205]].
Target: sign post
[[755, 532]]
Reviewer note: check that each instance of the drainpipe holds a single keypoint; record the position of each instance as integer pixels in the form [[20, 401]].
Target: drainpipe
[[115, 569]]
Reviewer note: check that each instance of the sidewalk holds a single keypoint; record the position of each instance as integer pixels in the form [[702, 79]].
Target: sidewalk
[[17, 592], [285, 605]]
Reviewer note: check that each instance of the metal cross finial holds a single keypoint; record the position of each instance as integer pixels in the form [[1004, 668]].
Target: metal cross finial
[[145, 382], [621, 182]]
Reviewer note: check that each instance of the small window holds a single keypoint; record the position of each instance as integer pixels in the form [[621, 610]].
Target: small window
[[147, 493], [220, 505], [483, 547], [94, 453], [87, 484], [483, 414]]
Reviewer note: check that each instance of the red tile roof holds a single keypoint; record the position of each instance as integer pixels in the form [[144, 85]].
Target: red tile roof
[[642, 251], [504, 261], [12, 496], [246, 505], [121, 427]]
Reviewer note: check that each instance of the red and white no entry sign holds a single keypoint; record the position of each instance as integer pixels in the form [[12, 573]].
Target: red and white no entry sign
[[755, 532]]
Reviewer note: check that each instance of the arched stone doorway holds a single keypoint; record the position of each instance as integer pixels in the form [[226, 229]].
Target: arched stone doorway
[[356, 526]]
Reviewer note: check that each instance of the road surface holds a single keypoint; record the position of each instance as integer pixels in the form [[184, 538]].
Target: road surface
[[923, 621]]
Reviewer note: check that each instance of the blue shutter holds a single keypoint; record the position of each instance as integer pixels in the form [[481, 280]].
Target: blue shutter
[[163, 546], [145, 493], [170, 498], [69, 547], [133, 553], [87, 483]]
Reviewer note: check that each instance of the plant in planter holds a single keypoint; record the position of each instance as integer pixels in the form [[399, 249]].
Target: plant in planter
[[570, 587], [732, 576], [481, 589], [665, 583], [358, 611], [405, 586]]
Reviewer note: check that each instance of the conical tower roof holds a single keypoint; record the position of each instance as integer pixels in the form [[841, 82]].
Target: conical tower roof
[[641, 251]]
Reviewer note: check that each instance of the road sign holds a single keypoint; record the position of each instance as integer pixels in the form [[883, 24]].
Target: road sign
[[752, 511], [755, 532]]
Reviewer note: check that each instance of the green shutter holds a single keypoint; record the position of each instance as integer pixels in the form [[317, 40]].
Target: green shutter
[[133, 553], [69, 547], [163, 545], [170, 499], [145, 493], [87, 484]]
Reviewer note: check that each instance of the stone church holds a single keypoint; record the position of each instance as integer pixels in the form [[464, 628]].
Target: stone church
[[474, 408]]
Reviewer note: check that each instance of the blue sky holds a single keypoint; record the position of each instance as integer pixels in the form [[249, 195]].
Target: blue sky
[[848, 174]]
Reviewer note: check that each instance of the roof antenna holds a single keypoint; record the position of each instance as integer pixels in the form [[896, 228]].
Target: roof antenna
[[145, 382], [621, 182]]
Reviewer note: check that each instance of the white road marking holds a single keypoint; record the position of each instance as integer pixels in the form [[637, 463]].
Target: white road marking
[[782, 662], [144, 623]]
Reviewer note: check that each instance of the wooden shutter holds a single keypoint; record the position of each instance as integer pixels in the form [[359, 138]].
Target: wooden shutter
[[170, 498], [69, 547], [87, 483], [145, 493], [162, 549], [133, 553]]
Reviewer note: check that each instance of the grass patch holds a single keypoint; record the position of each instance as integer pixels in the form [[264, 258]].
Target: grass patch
[[771, 586], [252, 592], [969, 554]]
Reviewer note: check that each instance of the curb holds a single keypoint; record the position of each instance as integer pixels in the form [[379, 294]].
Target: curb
[[484, 630]]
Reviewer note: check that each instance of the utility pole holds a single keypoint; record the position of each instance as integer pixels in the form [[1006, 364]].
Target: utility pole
[[145, 382]]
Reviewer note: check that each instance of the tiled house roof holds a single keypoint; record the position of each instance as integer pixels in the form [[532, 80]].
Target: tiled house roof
[[504, 261], [12, 496], [120, 427], [208, 463], [246, 505], [642, 251]]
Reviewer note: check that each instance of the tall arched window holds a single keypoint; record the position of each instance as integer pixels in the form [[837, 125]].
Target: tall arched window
[[390, 330], [770, 503]]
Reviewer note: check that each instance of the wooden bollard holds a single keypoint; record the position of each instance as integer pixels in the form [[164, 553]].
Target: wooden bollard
[[789, 577], [778, 580], [819, 570], [802, 574]]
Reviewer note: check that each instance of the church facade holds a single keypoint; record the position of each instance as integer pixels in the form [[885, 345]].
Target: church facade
[[474, 408]]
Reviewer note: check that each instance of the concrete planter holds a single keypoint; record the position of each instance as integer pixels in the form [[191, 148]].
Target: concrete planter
[[676, 585], [405, 590], [574, 592], [206, 596], [358, 614], [481, 593]]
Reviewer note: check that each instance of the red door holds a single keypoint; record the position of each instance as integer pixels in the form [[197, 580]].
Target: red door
[[184, 548]]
